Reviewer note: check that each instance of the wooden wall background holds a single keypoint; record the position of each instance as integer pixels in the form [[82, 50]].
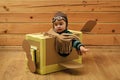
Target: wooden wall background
[[19, 17]]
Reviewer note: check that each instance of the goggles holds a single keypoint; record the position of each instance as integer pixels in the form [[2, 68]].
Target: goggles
[[58, 18]]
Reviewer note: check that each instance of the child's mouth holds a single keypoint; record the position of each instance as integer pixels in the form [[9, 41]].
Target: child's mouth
[[59, 30]]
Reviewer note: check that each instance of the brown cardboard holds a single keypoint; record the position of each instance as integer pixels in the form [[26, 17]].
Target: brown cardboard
[[45, 58], [36, 56], [31, 64], [52, 57], [89, 25]]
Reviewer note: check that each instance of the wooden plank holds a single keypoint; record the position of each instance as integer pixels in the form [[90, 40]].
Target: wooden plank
[[23, 28], [52, 0], [106, 28], [17, 28], [77, 17], [12, 40], [60, 8], [100, 17], [88, 39], [101, 39], [72, 6]]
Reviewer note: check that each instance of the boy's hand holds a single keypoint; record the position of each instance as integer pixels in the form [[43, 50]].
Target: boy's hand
[[82, 50]]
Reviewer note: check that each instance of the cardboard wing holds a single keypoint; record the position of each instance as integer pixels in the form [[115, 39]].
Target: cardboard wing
[[71, 64]]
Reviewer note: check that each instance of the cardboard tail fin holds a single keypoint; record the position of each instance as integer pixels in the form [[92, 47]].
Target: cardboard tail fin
[[71, 64], [89, 25]]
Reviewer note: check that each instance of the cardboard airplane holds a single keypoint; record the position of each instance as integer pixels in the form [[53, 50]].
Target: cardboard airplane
[[42, 57]]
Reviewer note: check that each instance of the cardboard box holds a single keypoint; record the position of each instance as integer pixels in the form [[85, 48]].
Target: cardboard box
[[44, 55]]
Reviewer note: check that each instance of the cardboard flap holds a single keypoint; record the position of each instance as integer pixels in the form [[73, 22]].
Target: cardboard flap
[[71, 64]]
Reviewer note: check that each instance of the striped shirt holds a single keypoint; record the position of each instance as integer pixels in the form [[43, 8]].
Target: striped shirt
[[75, 43]]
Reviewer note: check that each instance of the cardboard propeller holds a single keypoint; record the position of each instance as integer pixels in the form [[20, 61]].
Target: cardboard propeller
[[31, 63], [71, 64]]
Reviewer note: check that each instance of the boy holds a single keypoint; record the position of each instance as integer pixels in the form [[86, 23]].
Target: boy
[[60, 26]]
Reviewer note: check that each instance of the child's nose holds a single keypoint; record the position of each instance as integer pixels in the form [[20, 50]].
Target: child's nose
[[58, 26]]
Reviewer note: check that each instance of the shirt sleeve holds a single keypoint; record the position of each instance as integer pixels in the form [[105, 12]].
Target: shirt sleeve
[[76, 44]]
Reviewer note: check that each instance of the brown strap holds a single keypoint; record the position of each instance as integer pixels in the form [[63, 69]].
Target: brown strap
[[63, 35]]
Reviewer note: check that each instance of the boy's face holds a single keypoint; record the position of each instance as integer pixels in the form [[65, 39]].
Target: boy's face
[[59, 25]]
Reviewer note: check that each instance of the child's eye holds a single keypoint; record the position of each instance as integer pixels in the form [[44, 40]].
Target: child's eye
[[55, 24], [61, 24]]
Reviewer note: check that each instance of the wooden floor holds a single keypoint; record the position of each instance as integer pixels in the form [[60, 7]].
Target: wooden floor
[[100, 63]]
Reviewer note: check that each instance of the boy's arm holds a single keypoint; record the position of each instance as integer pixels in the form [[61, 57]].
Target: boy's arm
[[77, 44]]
